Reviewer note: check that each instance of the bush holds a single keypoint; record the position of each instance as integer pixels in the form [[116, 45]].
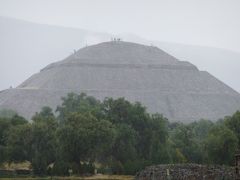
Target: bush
[[116, 167], [61, 168]]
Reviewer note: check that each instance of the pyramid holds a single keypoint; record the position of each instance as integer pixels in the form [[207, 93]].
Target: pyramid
[[162, 83]]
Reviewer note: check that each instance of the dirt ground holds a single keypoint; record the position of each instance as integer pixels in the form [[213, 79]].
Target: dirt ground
[[95, 177]]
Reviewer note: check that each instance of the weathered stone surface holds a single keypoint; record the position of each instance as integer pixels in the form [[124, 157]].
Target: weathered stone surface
[[186, 172], [177, 89]]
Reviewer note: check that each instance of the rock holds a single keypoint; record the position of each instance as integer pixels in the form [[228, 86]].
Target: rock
[[186, 172]]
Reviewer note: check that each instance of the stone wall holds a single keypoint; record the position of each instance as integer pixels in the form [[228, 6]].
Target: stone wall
[[186, 172]]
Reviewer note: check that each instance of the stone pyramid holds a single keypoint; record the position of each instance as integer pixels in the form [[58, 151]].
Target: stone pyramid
[[176, 89]]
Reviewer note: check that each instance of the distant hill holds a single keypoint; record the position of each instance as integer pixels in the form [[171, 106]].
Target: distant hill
[[26, 47]]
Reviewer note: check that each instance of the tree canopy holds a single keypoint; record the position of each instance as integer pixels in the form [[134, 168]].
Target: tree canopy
[[114, 136]]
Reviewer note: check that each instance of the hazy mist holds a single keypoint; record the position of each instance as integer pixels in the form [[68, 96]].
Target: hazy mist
[[26, 47]]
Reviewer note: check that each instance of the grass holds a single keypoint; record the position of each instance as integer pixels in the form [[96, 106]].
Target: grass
[[26, 165], [95, 177], [12, 166]]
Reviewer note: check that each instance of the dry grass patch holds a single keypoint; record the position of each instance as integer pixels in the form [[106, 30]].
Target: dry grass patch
[[95, 177]]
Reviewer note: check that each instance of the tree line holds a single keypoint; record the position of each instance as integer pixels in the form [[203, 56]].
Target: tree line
[[113, 136]]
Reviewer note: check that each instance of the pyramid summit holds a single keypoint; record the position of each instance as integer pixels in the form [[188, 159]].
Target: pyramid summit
[[162, 83], [119, 53]]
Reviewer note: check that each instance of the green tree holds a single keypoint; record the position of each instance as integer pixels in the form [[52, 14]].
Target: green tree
[[121, 111], [184, 141], [233, 123], [201, 128], [159, 149], [18, 120], [45, 114], [33, 142], [124, 148], [221, 145], [75, 103], [43, 145], [19, 141], [4, 127], [82, 137]]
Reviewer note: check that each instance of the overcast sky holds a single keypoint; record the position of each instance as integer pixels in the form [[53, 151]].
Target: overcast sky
[[201, 22]]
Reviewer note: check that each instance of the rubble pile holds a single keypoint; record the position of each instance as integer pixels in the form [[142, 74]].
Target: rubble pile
[[186, 172]]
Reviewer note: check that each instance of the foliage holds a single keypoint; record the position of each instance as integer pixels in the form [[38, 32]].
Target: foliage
[[233, 123], [7, 113], [19, 143], [78, 103], [34, 142], [82, 137], [6, 124], [221, 145], [115, 136]]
